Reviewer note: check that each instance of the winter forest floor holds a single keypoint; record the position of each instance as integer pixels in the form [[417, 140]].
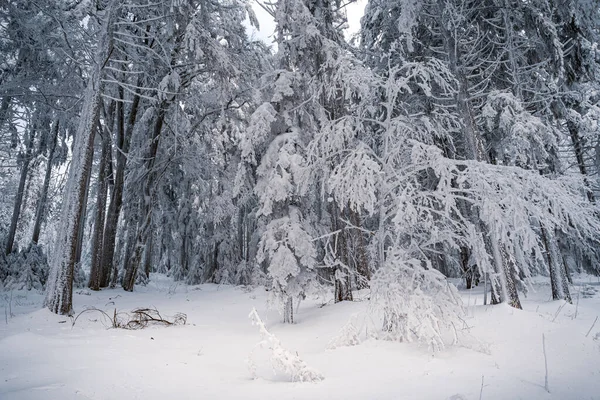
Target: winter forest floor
[[43, 357]]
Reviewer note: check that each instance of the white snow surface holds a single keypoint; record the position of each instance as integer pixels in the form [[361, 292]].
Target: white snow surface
[[43, 357]]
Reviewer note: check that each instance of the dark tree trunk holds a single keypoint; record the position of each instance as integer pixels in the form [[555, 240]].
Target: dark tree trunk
[[83, 212], [578, 148], [42, 203], [144, 228], [4, 109], [148, 256], [103, 171], [288, 311], [341, 273], [128, 250], [123, 137], [212, 261], [558, 278], [26, 159], [362, 267], [511, 286]]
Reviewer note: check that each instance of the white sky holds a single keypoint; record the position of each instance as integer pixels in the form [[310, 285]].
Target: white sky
[[354, 11]]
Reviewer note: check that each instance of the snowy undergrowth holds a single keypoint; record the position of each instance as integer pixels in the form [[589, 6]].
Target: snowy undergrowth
[[42, 357]]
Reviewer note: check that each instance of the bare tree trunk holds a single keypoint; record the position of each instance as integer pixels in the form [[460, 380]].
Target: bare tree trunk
[[288, 311], [123, 138], [342, 273], [42, 203], [128, 245], [59, 296], [144, 228], [26, 159], [83, 213], [558, 278], [578, 147], [362, 266], [4, 109], [103, 169], [148, 256]]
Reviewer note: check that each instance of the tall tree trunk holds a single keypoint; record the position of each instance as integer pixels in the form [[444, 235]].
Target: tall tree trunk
[[59, 296], [26, 159], [342, 273], [558, 278], [148, 256], [128, 244], [103, 171], [288, 311], [42, 203], [4, 109], [362, 262], [474, 149], [123, 138], [83, 213], [148, 195], [578, 148]]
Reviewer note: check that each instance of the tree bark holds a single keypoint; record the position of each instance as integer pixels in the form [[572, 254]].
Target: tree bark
[[4, 109], [578, 147], [83, 212], [558, 278], [342, 286], [59, 297], [362, 266], [103, 170], [42, 203], [148, 256], [148, 194], [26, 159], [123, 139], [288, 311]]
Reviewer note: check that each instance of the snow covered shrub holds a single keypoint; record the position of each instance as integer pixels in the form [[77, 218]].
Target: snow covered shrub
[[415, 302], [349, 335], [27, 269], [281, 359]]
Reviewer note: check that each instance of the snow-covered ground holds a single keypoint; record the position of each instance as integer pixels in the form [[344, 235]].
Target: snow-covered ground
[[43, 357]]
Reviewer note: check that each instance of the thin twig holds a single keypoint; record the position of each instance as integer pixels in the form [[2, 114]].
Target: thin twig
[[545, 363], [481, 390], [592, 327]]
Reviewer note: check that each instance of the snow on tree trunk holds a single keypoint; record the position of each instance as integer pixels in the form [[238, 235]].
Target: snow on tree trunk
[[558, 278], [42, 202], [102, 190], [288, 313], [124, 133], [149, 183], [26, 159], [59, 292]]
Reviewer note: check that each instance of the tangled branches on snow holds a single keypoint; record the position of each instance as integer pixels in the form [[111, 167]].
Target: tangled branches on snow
[[139, 318]]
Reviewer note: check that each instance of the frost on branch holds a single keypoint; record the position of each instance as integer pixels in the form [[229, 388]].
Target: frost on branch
[[415, 302], [281, 359], [291, 253], [349, 335]]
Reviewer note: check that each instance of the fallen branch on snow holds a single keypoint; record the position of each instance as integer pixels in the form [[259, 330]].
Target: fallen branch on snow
[[139, 318]]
